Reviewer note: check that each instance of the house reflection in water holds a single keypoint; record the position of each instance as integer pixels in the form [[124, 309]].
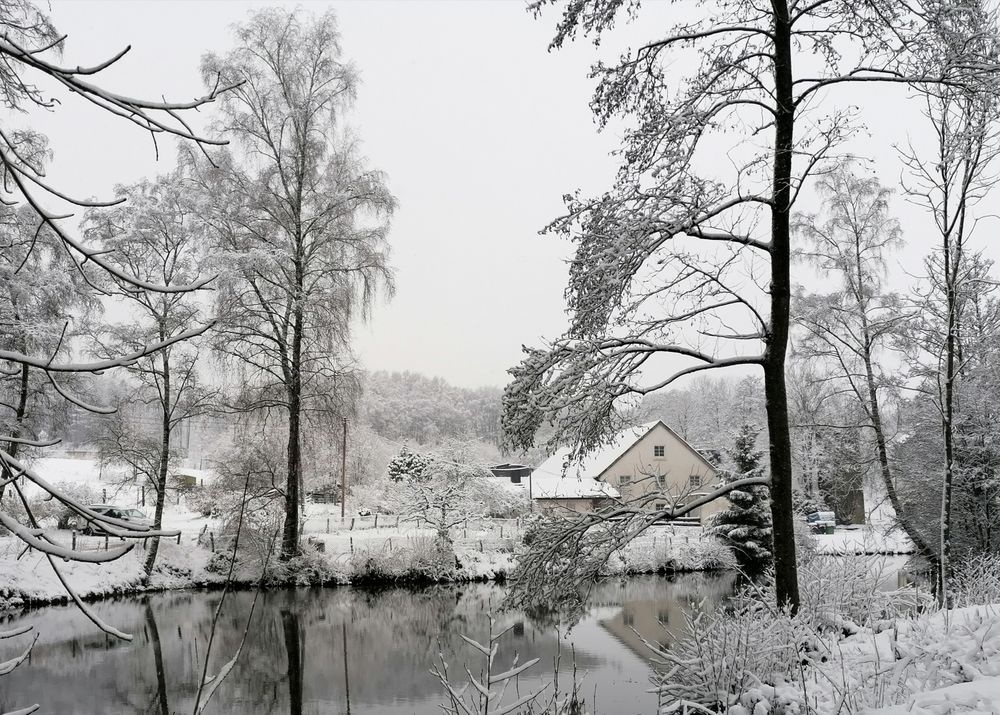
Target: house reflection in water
[[656, 610]]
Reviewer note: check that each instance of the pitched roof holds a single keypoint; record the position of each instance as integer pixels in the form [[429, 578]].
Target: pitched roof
[[598, 461], [546, 486]]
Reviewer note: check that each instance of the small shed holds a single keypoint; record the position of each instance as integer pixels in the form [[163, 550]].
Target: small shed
[[190, 478]]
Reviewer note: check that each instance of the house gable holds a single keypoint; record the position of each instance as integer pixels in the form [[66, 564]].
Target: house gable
[[677, 451]]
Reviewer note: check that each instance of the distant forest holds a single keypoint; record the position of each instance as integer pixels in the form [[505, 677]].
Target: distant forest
[[408, 406]]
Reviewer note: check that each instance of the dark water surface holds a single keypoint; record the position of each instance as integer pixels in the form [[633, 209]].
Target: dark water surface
[[340, 650]]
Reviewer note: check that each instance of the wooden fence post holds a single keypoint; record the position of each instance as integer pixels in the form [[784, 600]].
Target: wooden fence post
[[376, 520], [178, 538], [211, 536], [352, 545], [105, 542], [74, 539], [352, 523]]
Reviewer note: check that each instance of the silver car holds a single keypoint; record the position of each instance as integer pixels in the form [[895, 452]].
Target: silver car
[[115, 512]]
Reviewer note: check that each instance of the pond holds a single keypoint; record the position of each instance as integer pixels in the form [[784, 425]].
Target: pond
[[342, 650]]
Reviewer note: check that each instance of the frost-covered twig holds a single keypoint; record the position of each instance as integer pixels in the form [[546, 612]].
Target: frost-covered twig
[[487, 692]]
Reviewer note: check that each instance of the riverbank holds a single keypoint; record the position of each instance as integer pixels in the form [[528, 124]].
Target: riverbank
[[386, 557]]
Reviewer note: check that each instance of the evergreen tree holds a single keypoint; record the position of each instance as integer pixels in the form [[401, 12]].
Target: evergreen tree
[[745, 526]]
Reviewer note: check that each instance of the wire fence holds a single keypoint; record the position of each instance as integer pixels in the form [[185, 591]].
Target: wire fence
[[329, 524]]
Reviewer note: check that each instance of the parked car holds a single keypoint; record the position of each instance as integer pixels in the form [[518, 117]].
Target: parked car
[[822, 522], [115, 512]]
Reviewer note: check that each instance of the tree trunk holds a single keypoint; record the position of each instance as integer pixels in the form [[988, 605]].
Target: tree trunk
[[947, 426], [161, 472], [19, 414], [875, 416], [161, 681], [293, 652], [290, 534], [782, 514]]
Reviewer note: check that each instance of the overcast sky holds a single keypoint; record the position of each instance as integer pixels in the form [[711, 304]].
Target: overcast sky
[[480, 129]]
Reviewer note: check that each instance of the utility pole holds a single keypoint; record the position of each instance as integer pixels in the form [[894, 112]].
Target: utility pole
[[343, 471]]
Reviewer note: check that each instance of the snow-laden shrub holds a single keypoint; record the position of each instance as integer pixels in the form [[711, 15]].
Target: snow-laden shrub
[[843, 592], [725, 657], [496, 502], [644, 555], [412, 559], [207, 501], [752, 658], [976, 581], [308, 568]]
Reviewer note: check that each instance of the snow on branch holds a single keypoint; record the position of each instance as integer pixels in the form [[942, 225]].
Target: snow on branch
[[566, 554], [100, 366]]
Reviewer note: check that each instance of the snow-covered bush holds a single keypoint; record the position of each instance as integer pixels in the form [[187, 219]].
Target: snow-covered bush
[[498, 502], [207, 501], [413, 559], [260, 526], [751, 658], [646, 555], [308, 568], [725, 657], [843, 592], [976, 581]]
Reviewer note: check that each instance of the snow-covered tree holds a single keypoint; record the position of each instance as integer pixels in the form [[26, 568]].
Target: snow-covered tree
[[848, 330], [41, 295], [442, 489], [409, 466], [673, 266], [745, 526], [33, 78], [300, 223], [155, 236], [948, 180]]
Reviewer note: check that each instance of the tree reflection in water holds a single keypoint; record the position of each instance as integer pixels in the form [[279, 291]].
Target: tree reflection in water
[[339, 650]]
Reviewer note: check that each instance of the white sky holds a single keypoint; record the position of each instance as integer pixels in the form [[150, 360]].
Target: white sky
[[480, 129]]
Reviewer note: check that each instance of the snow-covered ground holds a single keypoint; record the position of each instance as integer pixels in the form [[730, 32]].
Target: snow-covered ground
[[942, 662], [876, 539]]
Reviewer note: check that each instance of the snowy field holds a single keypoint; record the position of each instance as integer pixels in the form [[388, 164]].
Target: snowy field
[[864, 540]]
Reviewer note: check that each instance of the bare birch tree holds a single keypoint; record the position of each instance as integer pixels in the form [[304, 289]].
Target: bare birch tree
[[673, 263], [154, 236], [948, 182], [850, 328], [301, 225]]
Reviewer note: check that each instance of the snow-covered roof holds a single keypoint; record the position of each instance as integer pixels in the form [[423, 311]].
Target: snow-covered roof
[[595, 463], [546, 486]]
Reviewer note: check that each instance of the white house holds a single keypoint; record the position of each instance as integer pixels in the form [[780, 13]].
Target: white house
[[649, 465]]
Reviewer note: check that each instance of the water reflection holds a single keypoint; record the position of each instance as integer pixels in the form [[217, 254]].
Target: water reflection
[[340, 650]]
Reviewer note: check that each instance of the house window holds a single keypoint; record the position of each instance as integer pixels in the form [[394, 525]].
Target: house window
[[628, 617], [663, 616], [659, 450], [660, 505], [661, 481], [625, 480], [694, 480]]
